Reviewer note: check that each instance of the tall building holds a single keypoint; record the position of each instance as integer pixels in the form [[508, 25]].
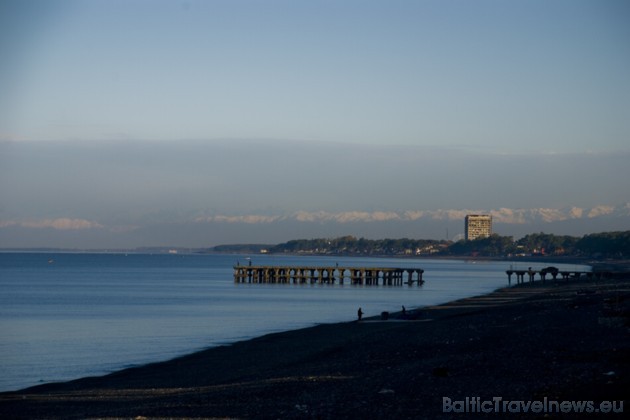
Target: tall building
[[478, 226]]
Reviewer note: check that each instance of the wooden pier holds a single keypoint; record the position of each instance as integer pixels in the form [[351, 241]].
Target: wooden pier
[[553, 274], [368, 276]]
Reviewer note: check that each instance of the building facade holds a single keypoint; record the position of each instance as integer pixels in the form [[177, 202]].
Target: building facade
[[478, 226]]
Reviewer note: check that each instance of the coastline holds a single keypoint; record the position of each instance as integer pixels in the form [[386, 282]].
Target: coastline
[[557, 340]]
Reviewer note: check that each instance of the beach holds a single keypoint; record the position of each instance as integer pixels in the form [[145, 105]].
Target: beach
[[557, 341]]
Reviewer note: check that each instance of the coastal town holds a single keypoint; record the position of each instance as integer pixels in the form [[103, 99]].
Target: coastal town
[[606, 245]]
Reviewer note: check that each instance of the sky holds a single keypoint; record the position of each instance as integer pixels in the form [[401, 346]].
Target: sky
[[194, 123]]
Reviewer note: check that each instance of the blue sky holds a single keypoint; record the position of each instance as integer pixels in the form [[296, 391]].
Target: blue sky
[[450, 95], [500, 75]]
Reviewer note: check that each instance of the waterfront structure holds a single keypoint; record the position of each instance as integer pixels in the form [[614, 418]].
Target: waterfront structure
[[554, 272], [478, 226], [365, 276]]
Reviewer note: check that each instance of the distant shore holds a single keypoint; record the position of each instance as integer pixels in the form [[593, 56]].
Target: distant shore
[[558, 340], [622, 265]]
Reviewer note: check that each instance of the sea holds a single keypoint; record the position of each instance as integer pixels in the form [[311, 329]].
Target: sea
[[70, 315]]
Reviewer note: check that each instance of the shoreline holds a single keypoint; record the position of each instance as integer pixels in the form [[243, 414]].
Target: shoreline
[[487, 345], [414, 304]]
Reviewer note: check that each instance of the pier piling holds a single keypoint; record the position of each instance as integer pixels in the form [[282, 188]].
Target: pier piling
[[554, 272], [366, 276]]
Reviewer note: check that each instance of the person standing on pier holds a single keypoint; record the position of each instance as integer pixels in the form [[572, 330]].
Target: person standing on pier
[[360, 314]]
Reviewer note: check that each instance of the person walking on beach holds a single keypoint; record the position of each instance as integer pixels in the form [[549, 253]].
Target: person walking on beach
[[360, 314]]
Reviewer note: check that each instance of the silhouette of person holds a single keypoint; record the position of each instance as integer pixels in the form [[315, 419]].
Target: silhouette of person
[[360, 314], [404, 311]]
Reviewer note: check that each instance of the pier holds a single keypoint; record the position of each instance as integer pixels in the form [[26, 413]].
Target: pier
[[552, 272], [366, 276]]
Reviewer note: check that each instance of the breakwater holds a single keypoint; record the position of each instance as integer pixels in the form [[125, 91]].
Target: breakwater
[[368, 276]]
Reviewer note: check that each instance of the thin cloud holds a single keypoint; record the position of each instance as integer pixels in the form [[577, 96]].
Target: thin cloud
[[501, 215], [601, 211], [251, 219], [58, 224], [361, 216]]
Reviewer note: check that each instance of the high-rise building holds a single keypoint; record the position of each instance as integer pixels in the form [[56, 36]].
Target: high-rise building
[[478, 226]]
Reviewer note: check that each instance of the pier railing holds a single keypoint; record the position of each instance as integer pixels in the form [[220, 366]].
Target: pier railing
[[368, 276]]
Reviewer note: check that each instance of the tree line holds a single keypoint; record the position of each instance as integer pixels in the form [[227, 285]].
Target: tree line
[[597, 245]]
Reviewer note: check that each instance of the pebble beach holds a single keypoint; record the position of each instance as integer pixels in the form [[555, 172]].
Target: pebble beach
[[557, 341]]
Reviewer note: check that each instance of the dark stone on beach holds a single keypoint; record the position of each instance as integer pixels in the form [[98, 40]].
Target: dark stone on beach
[[440, 372]]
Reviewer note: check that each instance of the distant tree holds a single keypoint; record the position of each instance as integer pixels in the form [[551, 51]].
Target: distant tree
[[607, 244], [550, 244], [492, 246]]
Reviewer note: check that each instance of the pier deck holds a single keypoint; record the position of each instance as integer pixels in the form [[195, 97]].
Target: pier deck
[[553, 273], [368, 276]]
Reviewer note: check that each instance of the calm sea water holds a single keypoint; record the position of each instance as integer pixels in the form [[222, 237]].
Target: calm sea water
[[65, 316]]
